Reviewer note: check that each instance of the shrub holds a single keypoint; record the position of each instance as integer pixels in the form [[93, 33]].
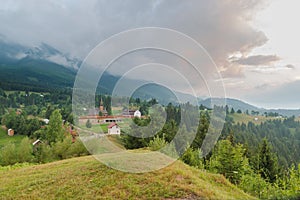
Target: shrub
[[24, 151], [60, 148], [8, 155], [193, 158], [157, 143], [88, 124], [76, 149], [67, 149], [43, 153]]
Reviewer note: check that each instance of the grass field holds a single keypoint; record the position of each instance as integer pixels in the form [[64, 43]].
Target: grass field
[[4, 138], [243, 118], [96, 128], [86, 178]]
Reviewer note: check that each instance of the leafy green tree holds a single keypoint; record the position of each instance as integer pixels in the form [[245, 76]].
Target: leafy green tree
[[55, 131], [16, 122], [31, 126]]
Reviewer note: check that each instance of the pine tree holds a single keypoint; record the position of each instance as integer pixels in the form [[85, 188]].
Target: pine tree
[[88, 124], [267, 162], [202, 130], [227, 109], [229, 160], [232, 111]]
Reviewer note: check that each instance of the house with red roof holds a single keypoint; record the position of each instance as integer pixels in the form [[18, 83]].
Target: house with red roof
[[114, 129]]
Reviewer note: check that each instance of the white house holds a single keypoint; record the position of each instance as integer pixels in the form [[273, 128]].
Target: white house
[[113, 128], [137, 113]]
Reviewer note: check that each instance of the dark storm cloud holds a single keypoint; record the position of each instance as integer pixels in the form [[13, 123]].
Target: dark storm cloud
[[222, 27]]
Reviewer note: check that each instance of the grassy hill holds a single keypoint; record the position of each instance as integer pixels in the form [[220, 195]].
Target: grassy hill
[[86, 178], [243, 118]]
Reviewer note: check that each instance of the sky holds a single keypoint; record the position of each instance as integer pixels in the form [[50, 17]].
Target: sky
[[254, 43]]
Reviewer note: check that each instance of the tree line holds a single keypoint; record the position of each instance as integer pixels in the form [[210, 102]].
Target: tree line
[[260, 159]]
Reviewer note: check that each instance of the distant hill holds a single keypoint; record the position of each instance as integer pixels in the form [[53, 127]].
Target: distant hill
[[41, 68], [86, 178], [238, 104], [286, 112], [35, 68], [37, 74], [231, 103]]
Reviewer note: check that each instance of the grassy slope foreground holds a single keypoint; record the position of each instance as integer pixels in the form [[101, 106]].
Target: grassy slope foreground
[[86, 178]]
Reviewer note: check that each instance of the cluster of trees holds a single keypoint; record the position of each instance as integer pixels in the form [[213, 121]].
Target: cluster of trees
[[37, 104], [250, 156], [56, 140], [283, 135], [11, 153], [20, 123]]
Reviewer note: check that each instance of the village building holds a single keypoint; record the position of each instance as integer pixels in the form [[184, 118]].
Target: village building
[[10, 132], [128, 113], [100, 115], [114, 129], [137, 113], [101, 111], [38, 141]]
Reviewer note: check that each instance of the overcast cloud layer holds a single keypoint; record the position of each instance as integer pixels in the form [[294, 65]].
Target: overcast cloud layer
[[224, 28]]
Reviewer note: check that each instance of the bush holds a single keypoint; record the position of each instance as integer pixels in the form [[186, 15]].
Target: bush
[[24, 151], [43, 154], [193, 158], [76, 149], [67, 149], [8, 155], [157, 143], [88, 124], [253, 184], [60, 148]]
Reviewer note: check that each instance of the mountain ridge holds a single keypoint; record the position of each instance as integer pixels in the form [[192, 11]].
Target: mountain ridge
[[43, 67]]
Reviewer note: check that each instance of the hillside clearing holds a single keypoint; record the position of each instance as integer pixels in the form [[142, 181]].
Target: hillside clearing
[[256, 119], [86, 178]]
